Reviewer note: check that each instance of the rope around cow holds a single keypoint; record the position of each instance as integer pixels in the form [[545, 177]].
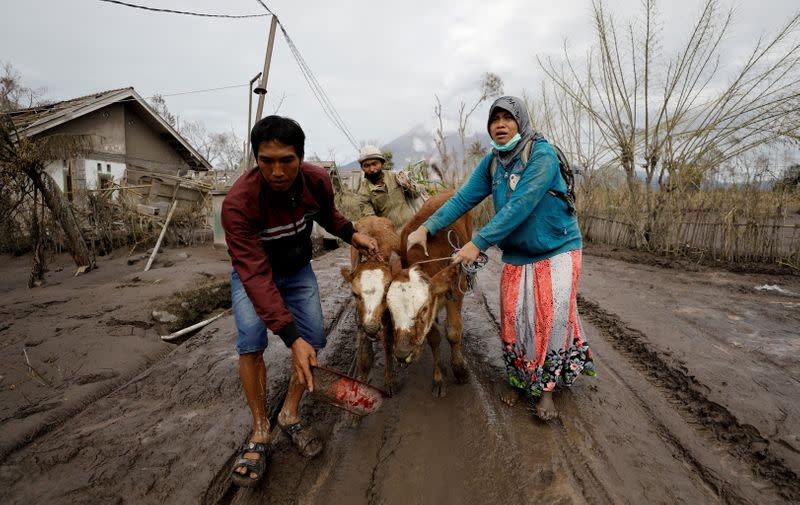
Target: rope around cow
[[470, 271]]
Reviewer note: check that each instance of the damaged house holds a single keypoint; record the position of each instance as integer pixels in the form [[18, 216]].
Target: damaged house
[[131, 145]]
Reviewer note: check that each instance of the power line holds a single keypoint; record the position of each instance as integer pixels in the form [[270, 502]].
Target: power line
[[200, 14], [319, 92], [316, 88], [207, 90], [267, 8]]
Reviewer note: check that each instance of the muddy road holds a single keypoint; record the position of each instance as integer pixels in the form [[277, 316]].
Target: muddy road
[[695, 402]]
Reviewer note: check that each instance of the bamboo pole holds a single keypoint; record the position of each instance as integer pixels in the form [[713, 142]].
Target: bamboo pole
[[161, 236], [196, 326]]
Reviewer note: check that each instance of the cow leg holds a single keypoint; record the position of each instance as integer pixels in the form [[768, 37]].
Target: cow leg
[[434, 339], [455, 329], [388, 353], [364, 357]]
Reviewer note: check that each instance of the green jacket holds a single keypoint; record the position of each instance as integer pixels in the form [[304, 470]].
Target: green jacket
[[388, 200]]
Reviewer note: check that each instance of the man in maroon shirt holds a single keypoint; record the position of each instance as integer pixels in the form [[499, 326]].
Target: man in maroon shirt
[[267, 216]]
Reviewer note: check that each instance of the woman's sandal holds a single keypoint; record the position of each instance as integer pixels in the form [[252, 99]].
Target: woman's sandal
[[305, 438], [255, 467]]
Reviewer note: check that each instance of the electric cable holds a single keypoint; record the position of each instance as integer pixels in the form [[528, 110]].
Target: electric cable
[[313, 83], [187, 13]]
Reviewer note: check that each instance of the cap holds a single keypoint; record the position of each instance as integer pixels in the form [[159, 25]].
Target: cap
[[370, 152]]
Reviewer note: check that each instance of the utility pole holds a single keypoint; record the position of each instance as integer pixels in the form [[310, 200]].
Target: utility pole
[[261, 89]]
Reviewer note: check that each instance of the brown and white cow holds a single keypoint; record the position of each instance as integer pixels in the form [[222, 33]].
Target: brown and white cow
[[418, 293], [369, 280]]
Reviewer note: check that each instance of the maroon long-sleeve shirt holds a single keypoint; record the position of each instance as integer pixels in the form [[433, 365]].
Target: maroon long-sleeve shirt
[[269, 232]]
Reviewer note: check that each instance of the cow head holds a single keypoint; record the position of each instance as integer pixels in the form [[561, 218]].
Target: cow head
[[369, 281], [413, 299]]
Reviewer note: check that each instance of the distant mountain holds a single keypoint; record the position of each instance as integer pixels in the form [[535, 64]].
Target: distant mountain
[[418, 144]]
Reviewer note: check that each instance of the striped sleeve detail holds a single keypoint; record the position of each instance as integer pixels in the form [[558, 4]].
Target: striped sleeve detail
[[285, 230]]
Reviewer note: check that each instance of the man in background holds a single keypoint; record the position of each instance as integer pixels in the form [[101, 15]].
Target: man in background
[[385, 193]]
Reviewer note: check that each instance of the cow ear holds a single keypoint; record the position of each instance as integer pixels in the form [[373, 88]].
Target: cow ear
[[444, 280], [347, 274], [395, 264]]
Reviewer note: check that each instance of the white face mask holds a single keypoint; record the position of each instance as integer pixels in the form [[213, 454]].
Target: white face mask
[[508, 145]]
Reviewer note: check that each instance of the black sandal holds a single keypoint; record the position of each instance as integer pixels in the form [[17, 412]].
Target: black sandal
[[303, 437], [253, 466]]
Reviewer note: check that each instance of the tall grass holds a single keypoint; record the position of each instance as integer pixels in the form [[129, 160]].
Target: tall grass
[[737, 223]]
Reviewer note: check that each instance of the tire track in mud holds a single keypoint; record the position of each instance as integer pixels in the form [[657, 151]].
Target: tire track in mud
[[715, 484], [62, 416], [740, 441]]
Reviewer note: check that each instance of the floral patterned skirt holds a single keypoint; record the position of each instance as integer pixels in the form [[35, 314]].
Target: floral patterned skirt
[[544, 345]]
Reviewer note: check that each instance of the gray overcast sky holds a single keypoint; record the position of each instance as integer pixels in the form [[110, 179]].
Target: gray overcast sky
[[380, 62]]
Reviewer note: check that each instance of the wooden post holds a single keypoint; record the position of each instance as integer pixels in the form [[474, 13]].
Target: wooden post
[[161, 236], [261, 89]]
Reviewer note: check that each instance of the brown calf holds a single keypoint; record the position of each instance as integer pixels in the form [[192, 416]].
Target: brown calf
[[417, 295], [369, 280]]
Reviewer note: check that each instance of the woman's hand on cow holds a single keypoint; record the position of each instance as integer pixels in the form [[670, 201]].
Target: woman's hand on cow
[[303, 358], [467, 254], [366, 245], [418, 237]]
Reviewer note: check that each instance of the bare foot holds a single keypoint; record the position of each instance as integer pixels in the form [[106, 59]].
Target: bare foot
[[509, 394], [545, 408]]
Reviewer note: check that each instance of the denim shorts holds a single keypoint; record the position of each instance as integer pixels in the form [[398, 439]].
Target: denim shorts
[[300, 295]]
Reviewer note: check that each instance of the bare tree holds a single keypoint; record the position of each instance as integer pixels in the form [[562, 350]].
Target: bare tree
[[229, 150], [22, 163], [491, 87], [201, 139], [449, 167], [13, 95], [160, 105], [223, 150], [29, 157], [687, 117], [440, 139]]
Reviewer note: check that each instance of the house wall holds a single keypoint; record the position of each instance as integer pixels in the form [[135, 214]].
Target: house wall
[[106, 127], [125, 142], [93, 167], [147, 149]]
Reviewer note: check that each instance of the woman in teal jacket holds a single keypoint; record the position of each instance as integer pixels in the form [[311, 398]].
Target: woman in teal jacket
[[544, 346]]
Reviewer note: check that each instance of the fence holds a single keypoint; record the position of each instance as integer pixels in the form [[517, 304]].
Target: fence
[[731, 241]]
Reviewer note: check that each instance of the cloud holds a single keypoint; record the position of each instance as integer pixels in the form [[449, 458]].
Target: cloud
[[380, 62]]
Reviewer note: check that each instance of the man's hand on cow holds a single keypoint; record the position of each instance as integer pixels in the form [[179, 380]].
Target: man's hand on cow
[[467, 254], [366, 245], [418, 237], [303, 358]]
